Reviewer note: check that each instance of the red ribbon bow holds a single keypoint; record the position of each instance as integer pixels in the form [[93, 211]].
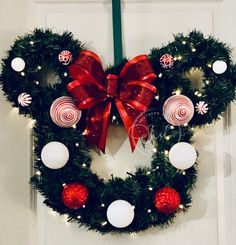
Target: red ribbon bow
[[95, 91]]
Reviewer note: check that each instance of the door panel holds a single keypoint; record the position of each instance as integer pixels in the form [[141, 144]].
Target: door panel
[[144, 25]]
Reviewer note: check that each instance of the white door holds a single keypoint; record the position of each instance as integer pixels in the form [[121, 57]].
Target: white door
[[148, 24]]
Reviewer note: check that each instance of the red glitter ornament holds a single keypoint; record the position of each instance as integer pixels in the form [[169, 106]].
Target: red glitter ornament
[[167, 200], [167, 61], [74, 195]]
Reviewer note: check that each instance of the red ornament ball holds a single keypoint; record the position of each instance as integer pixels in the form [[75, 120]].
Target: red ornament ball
[[167, 200], [65, 57], [167, 61], [74, 195]]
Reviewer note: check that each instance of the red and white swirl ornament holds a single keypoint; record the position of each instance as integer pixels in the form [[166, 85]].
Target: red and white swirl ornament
[[201, 107], [65, 57], [24, 99], [64, 113], [178, 110], [167, 61]]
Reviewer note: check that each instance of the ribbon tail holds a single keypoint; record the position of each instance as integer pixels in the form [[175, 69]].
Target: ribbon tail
[[97, 124], [129, 124]]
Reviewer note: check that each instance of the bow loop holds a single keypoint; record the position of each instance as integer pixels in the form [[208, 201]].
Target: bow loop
[[131, 91], [137, 69]]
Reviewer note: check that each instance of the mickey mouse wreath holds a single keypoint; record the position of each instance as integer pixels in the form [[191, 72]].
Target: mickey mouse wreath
[[76, 112]]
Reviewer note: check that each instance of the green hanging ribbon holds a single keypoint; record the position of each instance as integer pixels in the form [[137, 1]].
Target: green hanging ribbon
[[117, 33]]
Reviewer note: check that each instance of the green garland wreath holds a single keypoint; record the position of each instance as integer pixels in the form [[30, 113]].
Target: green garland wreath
[[40, 50]]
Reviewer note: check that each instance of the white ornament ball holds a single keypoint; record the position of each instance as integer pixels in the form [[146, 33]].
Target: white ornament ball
[[55, 155], [182, 155], [18, 64], [120, 213], [219, 66]]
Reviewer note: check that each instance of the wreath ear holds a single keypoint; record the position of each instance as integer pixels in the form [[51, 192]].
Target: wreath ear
[[195, 53], [30, 61]]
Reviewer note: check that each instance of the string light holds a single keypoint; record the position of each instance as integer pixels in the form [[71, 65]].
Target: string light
[[172, 127], [184, 42], [79, 217], [167, 137], [85, 132], [184, 173], [77, 144], [84, 165], [196, 92], [175, 58], [194, 50], [148, 172], [199, 95], [166, 152], [207, 82], [32, 123], [102, 205], [104, 223], [39, 67], [154, 149], [157, 97], [31, 42], [181, 206], [186, 124], [22, 74], [150, 188], [157, 167], [74, 126], [179, 57], [84, 206], [37, 82], [160, 75], [149, 211], [113, 118], [133, 207], [65, 74], [209, 65], [38, 173], [64, 184], [177, 91]]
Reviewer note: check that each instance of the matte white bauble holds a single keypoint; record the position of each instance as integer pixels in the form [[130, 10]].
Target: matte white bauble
[[18, 64], [182, 155], [120, 213], [219, 66], [55, 155]]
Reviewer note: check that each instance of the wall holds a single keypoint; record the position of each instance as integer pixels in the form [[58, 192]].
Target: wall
[[14, 142]]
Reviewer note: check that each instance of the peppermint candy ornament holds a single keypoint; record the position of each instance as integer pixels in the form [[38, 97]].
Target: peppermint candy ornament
[[201, 107], [178, 110], [167, 61], [24, 99], [64, 113], [65, 57]]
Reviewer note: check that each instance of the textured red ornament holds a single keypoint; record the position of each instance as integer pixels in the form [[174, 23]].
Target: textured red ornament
[[167, 200], [74, 195]]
